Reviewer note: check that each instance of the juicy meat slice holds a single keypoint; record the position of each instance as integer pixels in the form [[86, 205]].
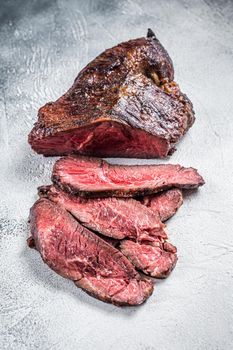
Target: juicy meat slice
[[156, 259], [76, 253], [122, 104], [113, 217], [93, 177], [120, 218], [165, 203]]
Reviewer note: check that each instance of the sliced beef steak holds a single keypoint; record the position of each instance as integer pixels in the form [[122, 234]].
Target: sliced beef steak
[[92, 177], [113, 217], [155, 259], [165, 203], [122, 104], [120, 218], [76, 253]]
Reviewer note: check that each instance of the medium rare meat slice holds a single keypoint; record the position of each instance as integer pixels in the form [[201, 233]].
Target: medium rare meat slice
[[165, 203], [113, 217], [76, 253], [124, 103], [156, 259], [120, 218], [92, 177]]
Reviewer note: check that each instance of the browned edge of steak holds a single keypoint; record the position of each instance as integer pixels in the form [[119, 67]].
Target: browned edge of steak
[[119, 180]]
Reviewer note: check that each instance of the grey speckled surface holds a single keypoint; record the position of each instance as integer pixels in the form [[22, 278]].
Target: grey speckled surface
[[43, 46]]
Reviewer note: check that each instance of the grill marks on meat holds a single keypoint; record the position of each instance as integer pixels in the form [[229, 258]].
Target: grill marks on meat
[[113, 217], [156, 259], [122, 104], [93, 177], [76, 253], [165, 204]]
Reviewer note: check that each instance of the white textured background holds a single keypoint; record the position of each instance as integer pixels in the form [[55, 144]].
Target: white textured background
[[43, 45]]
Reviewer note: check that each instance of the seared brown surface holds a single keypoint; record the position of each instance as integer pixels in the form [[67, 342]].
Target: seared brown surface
[[124, 103]]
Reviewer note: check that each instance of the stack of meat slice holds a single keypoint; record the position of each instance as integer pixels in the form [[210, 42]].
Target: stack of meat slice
[[98, 224]]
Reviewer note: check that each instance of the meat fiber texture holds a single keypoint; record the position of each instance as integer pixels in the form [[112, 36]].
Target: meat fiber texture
[[165, 203], [92, 177], [124, 103], [78, 254], [121, 218], [156, 259], [113, 217]]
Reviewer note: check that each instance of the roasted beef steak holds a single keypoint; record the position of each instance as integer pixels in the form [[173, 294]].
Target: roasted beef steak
[[113, 217], [93, 177], [120, 218], [76, 253], [124, 103], [165, 203]]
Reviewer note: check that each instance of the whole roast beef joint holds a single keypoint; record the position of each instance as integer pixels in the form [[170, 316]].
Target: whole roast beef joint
[[125, 103]]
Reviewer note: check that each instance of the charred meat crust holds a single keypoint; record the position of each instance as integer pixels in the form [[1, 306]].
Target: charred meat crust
[[130, 84], [31, 242]]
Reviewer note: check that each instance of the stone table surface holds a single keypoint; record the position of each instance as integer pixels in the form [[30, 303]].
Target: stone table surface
[[44, 44]]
